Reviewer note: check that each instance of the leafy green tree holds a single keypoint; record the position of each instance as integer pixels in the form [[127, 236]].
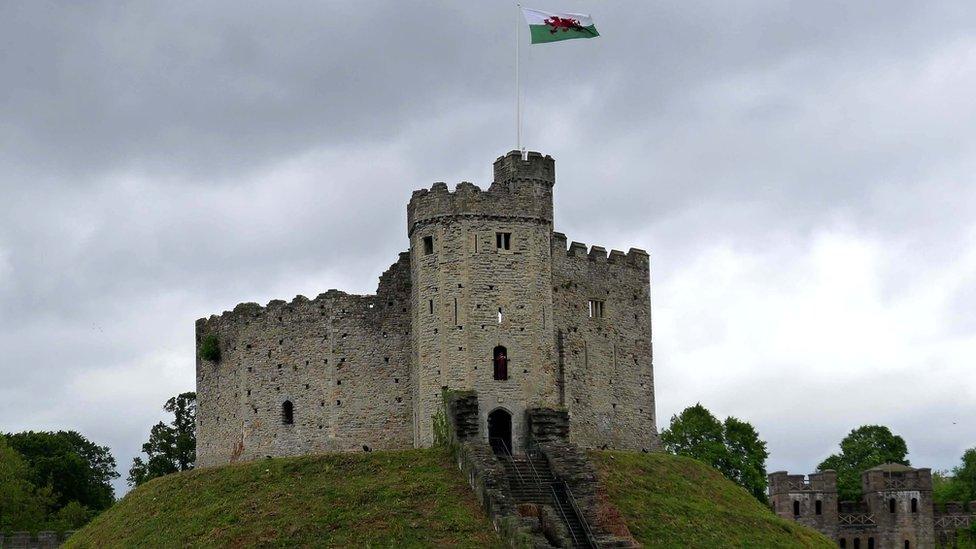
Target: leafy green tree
[[70, 517], [965, 476], [696, 433], [172, 447], [863, 448], [22, 505], [74, 467], [734, 448], [958, 484], [746, 461]]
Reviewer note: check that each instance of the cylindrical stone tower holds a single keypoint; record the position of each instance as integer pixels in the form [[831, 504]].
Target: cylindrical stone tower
[[481, 271]]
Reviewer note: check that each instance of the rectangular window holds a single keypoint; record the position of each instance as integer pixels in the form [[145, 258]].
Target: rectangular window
[[595, 308], [503, 241], [428, 245]]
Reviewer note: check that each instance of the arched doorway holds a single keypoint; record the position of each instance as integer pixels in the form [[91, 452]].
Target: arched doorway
[[500, 431]]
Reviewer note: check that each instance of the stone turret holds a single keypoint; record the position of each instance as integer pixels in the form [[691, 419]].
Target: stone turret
[[482, 273]]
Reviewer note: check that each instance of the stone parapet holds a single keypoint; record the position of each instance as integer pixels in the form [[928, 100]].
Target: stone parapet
[[548, 425], [522, 191]]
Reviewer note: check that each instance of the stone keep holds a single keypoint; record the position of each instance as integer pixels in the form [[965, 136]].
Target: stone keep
[[485, 274]]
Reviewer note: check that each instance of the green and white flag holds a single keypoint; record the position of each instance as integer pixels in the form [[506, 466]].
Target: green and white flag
[[551, 27]]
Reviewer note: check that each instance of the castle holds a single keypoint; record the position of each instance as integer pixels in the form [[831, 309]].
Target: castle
[[488, 298], [896, 511]]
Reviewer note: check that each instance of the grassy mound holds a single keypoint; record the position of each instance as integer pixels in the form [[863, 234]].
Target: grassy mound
[[380, 499], [418, 498], [671, 501]]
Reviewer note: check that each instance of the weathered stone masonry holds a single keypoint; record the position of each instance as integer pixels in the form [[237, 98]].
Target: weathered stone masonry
[[485, 271], [895, 512]]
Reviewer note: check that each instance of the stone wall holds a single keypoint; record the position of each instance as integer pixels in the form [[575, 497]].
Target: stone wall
[[896, 508], [908, 522], [26, 540], [342, 360], [605, 372], [796, 497], [472, 296]]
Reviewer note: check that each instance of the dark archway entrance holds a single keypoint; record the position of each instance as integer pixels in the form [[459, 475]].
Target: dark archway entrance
[[500, 431]]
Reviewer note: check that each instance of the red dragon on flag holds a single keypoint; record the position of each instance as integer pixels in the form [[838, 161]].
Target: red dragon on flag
[[545, 26], [566, 24]]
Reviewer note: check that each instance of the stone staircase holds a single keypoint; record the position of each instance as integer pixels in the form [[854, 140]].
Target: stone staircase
[[532, 482], [547, 499]]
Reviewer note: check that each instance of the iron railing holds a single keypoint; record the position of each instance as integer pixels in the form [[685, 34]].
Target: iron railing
[[559, 507], [506, 453], [579, 513], [534, 450]]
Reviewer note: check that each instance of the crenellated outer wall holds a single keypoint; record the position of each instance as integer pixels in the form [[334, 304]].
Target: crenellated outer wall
[[342, 360], [605, 370]]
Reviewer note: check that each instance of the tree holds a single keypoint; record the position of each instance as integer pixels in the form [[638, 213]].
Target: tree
[[958, 484], [965, 476], [172, 447], [865, 447], [746, 457], [734, 448], [22, 505], [74, 467]]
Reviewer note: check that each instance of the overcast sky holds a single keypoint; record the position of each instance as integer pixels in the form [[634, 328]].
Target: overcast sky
[[802, 174]]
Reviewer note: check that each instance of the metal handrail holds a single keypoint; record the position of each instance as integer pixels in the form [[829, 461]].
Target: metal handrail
[[579, 513], [511, 459], [535, 472], [555, 499], [533, 447]]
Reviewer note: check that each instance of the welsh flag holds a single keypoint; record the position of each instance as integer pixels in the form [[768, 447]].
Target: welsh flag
[[551, 27]]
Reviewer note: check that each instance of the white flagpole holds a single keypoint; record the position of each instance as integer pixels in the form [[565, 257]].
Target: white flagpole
[[518, 90]]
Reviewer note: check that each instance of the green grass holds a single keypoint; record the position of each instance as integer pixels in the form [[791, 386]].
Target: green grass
[[412, 498], [418, 498], [672, 501]]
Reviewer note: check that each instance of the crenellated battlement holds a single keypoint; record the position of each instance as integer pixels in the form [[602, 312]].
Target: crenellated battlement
[[635, 257], [895, 477], [394, 281], [781, 482], [522, 189], [534, 167]]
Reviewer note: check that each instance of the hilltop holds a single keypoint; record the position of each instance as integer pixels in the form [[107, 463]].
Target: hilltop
[[418, 498], [675, 501]]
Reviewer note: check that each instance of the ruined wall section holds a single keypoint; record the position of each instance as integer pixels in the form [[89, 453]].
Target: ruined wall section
[[605, 371], [342, 360], [460, 286]]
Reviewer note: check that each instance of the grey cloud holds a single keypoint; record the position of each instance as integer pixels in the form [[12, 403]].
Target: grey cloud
[[159, 163]]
